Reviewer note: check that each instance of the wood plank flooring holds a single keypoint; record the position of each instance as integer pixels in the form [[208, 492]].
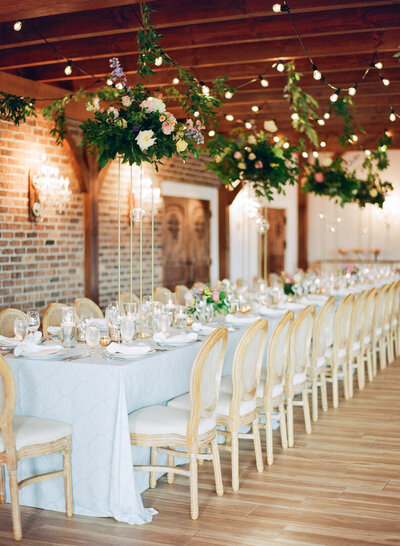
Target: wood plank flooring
[[340, 487]]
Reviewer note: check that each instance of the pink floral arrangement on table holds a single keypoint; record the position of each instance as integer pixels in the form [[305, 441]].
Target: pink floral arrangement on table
[[352, 269], [376, 251], [213, 296], [342, 251], [287, 283]]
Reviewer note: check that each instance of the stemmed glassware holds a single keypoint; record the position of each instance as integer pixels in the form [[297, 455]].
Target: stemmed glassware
[[92, 336], [128, 328], [20, 328], [33, 321]]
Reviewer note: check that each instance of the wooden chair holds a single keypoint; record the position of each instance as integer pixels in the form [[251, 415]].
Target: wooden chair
[[354, 344], [199, 285], [296, 374], [236, 406], [394, 321], [162, 294], [337, 355], [157, 426], [181, 290], [88, 307], [391, 297], [7, 318], [270, 393], [379, 334], [26, 437], [127, 297], [321, 341], [52, 316], [367, 324]]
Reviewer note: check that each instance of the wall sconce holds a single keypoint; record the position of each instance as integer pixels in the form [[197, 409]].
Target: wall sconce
[[47, 189]]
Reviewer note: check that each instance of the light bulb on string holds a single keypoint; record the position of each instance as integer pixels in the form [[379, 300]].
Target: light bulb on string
[[378, 65], [229, 117], [211, 133], [17, 26], [175, 81], [286, 145], [228, 95], [277, 8], [367, 152], [196, 114], [353, 90], [248, 125], [392, 116], [316, 73], [327, 115], [295, 116], [263, 81], [280, 66], [315, 153], [334, 97], [305, 155], [385, 81], [383, 148], [276, 139], [354, 138], [255, 108], [321, 122], [68, 69], [158, 61], [205, 89], [322, 144]]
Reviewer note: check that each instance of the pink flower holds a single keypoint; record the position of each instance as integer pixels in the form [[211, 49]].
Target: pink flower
[[258, 164], [215, 296], [167, 128], [237, 155], [126, 101], [319, 177], [113, 112], [162, 118]]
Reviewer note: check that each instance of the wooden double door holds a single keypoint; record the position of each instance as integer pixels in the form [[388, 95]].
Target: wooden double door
[[276, 241], [186, 241]]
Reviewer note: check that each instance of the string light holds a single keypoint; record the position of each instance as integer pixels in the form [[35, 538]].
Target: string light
[[263, 81], [367, 152], [305, 155], [205, 90], [68, 69], [295, 116], [280, 66], [385, 81], [286, 145], [383, 148], [211, 133], [248, 125], [315, 154], [175, 81], [316, 73], [228, 95], [276, 139], [378, 65], [353, 90], [392, 116], [334, 97], [322, 143], [229, 117], [277, 8], [321, 122], [354, 138], [158, 61], [196, 114], [255, 108], [327, 115], [17, 26]]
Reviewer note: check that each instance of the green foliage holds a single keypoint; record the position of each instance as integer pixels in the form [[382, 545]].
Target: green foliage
[[344, 107], [255, 158], [16, 109], [211, 296], [302, 103]]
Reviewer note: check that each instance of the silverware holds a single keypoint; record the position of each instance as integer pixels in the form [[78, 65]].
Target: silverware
[[75, 357]]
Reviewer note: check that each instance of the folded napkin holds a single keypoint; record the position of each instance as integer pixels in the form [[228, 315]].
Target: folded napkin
[[53, 330], [161, 337], [31, 345], [241, 320], [292, 306], [8, 341], [269, 312], [203, 328], [132, 350]]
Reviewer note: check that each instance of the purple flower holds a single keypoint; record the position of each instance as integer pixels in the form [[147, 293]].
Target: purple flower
[[135, 128], [116, 70], [195, 135]]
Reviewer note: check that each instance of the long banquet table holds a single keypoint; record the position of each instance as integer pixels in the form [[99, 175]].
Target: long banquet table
[[95, 396]]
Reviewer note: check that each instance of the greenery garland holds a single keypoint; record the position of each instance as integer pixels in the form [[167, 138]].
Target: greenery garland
[[253, 157], [16, 109], [344, 107]]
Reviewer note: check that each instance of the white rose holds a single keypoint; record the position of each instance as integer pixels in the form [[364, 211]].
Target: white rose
[[145, 139], [113, 112], [126, 101], [181, 145], [252, 156], [251, 139], [270, 126], [153, 105], [373, 192], [242, 165], [327, 162]]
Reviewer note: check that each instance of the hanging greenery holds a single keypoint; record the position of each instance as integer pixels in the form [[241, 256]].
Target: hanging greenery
[[304, 106], [344, 107], [16, 109], [253, 157]]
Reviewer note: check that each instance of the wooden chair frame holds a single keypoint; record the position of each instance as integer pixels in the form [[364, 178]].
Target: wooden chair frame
[[234, 421], [395, 322], [181, 290], [127, 297], [292, 390], [11, 455], [194, 443], [355, 343], [367, 332], [89, 307], [161, 293], [379, 340], [316, 371], [6, 315], [267, 403]]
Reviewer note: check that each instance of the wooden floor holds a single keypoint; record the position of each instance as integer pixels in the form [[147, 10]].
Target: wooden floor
[[339, 486]]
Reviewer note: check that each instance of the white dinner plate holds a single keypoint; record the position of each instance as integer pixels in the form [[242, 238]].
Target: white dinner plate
[[49, 354], [129, 357], [7, 347]]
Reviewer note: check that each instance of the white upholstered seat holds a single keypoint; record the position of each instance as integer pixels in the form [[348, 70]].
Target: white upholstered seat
[[299, 378], [277, 390], [30, 431], [223, 404]]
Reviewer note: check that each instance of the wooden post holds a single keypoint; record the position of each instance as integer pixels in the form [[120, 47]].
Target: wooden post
[[302, 232], [225, 198]]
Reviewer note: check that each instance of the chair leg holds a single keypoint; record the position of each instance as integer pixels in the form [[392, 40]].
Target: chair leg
[[171, 462], [324, 395], [382, 353], [374, 360], [2, 486], [335, 388], [397, 341], [314, 390], [219, 488], [235, 460], [390, 347], [360, 372], [16, 514], [257, 446], [282, 417], [370, 370], [269, 442], [194, 503], [69, 509], [153, 462], [306, 411], [350, 381], [345, 370], [289, 406]]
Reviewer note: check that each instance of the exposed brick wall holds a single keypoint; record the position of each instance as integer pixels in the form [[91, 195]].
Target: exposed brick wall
[[43, 262]]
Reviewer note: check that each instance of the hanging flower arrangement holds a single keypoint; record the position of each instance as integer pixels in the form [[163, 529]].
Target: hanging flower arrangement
[[332, 180], [136, 126], [268, 166], [373, 193]]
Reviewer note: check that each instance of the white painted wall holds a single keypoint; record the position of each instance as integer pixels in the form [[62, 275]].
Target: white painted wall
[[244, 235], [194, 191], [359, 228]]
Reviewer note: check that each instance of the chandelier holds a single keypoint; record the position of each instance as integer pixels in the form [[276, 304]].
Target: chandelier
[[53, 189]]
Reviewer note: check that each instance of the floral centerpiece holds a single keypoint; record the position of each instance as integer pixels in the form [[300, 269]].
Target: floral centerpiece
[[253, 157], [358, 252], [215, 296], [287, 284], [135, 125], [373, 193], [376, 252], [342, 251]]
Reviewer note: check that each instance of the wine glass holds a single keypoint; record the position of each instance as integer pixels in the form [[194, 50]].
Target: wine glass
[[129, 309], [20, 328], [128, 328], [33, 321], [92, 336]]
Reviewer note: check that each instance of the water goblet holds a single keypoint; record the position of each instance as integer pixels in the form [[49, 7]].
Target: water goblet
[[20, 328], [180, 316], [33, 321], [129, 309], [164, 321], [92, 336], [128, 328]]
